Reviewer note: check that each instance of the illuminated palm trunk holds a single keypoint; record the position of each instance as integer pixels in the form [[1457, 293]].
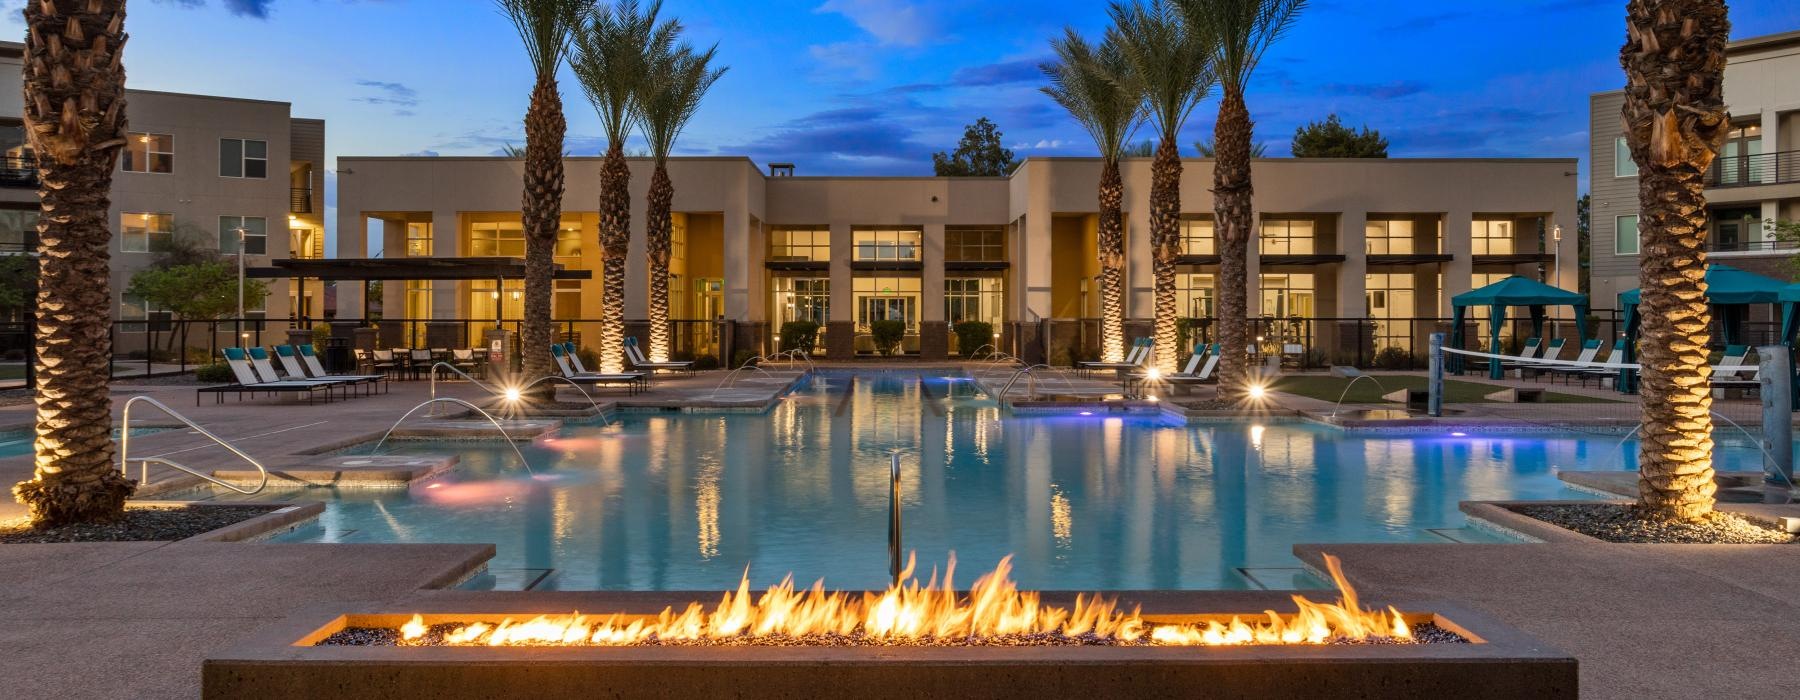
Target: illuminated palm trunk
[[1675, 122], [657, 238], [1165, 243], [541, 217], [1232, 194], [615, 240], [1111, 242], [74, 85]]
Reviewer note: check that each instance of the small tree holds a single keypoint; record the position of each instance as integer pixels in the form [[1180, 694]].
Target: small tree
[[194, 291], [979, 154], [1784, 231], [887, 335], [1331, 139]]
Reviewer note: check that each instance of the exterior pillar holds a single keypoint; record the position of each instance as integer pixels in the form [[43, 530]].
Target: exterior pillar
[[446, 240], [934, 327], [840, 333], [1140, 257], [1458, 227], [1253, 269], [1352, 282]]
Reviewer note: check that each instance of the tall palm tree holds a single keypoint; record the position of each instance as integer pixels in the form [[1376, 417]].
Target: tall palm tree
[[671, 94], [1093, 84], [544, 27], [1169, 69], [613, 53], [1237, 32], [1675, 122], [75, 120]]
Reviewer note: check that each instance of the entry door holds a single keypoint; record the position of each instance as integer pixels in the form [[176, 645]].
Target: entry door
[[888, 309]]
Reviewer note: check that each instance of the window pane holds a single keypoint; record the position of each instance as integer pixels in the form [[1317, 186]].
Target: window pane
[[256, 168], [1623, 165], [256, 149], [231, 158], [162, 163], [1625, 239]]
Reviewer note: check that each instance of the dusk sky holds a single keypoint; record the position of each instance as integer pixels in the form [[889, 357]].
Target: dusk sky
[[875, 86]]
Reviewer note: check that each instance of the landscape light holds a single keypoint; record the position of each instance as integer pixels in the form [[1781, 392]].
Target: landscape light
[[1258, 391], [512, 394]]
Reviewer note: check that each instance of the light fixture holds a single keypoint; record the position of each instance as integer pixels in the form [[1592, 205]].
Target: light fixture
[[1153, 374], [1258, 392], [512, 394], [1556, 233]]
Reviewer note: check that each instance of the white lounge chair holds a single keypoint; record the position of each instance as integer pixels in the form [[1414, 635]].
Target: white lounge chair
[[249, 383], [635, 355], [309, 363], [568, 364]]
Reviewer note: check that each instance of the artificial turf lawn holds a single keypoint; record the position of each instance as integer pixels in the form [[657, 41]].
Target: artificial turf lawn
[[1328, 388]]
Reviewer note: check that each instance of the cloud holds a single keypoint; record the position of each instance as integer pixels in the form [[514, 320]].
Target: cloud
[[845, 60], [243, 8], [855, 139], [1380, 91], [401, 97], [427, 153], [1003, 73], [891, 22]]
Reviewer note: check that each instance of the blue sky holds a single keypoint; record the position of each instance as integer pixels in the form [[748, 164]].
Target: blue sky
[[874, 86]]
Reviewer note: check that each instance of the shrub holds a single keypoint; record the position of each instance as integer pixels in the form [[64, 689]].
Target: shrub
[[799, 335], [887, 335], [972, 335], [215, 373], [321, 333], [1393, 358], [741, 358], [589, 358], [705, 362]]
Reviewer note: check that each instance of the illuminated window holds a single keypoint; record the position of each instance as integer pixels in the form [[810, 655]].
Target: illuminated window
[[983, 245], [149, 153], [418, 240], [803, 299], [973, 299], [1391, 297], [1287, 237], [255, 232], [1198, 236], [887, 298], [142, 233], [418, 299], [504, 239], [1389, 236], [243, 158], [568, 241], [678, 239], [566, 301], [1492, 237], [799, 244], [1194, 295], [1626, 239], [1287, 296], [887, 244]]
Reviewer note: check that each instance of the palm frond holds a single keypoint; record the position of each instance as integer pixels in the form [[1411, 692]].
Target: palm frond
[[545, 27], [672, 92], [1239, 32], [1171, 67], [613, 54], [1092, 83]]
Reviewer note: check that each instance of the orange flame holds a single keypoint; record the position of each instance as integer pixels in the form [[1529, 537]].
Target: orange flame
[[910, 612]]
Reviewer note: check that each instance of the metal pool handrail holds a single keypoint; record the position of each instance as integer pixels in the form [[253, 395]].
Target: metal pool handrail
[[144, 463]]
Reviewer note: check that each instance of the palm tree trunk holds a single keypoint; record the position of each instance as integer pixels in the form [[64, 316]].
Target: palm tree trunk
[[1675, 123], [74, 117], [658, 229], [1232, 193], [541, 217], [1165, 242], [1112, 262], [615, 240]]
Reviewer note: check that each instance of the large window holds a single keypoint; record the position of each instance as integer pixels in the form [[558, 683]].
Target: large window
[[1391, 297], [887, 244], [973, 299], [1491, 237], [505, 239], [1625, 235], [568, 242], [975, 244], [1194, 295], [243, 158], [418, 240], [418, 299], [1287, 237], [136, 308], [1623, 165], [803, 299], [149, 153], [1287, 295], [255, 231], [887, 298], [565, 302], [144, 232], [1198, 236], [1389, 236], [799, 244]]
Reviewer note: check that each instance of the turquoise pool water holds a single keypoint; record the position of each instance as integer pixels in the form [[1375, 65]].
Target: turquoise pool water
[[18, 442], [687, 502]]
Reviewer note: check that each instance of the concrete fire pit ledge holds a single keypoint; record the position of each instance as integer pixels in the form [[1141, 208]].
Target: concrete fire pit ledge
[[280, 661]]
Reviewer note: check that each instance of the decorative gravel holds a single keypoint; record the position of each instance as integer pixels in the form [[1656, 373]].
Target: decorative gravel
[[1424, 633], [1625, 524], [140, 524], [1210, 405]]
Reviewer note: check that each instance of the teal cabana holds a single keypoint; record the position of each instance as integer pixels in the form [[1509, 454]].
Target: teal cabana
[[1512, 291], [1726, 286]]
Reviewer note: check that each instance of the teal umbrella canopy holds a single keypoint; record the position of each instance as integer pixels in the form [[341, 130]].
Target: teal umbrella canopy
[[1513, 291], [1728, 285]]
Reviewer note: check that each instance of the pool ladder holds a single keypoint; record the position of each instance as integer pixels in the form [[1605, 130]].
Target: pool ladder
[[145, 462]]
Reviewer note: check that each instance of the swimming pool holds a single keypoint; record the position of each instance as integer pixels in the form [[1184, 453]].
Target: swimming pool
[[18, 442], [669, 501]]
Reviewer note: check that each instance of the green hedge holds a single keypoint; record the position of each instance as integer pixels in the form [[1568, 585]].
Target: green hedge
[[972, 335], [887, 335], [799, 335], [216, 373]]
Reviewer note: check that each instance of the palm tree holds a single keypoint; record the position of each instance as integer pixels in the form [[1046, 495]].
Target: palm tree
[[670, 96], [544, 27], [75, 120], [613, 54], [1675, 122], [1237, 32], [1169, 69], [1092, 83]]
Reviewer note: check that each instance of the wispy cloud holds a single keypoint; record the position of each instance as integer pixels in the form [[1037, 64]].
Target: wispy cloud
[[1380, 91], [1005, 72], [891, 22], [401, 97]]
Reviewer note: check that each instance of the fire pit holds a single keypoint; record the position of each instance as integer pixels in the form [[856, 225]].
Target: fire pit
[[913, 640]]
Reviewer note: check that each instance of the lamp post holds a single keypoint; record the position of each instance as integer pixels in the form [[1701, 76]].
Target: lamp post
[[240, 261], [1556, 264]]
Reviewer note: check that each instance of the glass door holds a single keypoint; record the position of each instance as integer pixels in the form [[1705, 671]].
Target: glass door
[[888, 309]]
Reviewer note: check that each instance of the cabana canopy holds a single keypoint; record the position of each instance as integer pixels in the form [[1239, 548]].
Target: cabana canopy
[[1513, 291], [1725, 286]]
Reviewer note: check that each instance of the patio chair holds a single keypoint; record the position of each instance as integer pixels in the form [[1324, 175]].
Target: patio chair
[[383, 361], [309, 361], [1728, 372], [466, 360], [265, 370], [1589, 348], [1551, 351], [1601, 374], [635, 354], [1197, 370], [419, 360], [633, 382], [248, 383], [1140, 353]]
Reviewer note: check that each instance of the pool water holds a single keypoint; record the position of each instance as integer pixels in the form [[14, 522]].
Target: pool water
[[669, 501], [18, 442]]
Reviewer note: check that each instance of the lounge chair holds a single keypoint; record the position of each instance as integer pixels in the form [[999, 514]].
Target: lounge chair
[[1589, 348], [632, 381], [1728, 373], [1197, 370], [248, 383], [264, 367], [636, 355], [309, 361], [1552, 351], [1601, 374], [1140, 353]]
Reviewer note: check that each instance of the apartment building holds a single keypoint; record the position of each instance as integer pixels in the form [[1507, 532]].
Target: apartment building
[[1755, 180], [1388, 240], [196, 166]]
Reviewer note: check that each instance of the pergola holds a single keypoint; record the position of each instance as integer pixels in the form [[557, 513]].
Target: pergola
[[1725, 286], [368, 270], [1512, 291]]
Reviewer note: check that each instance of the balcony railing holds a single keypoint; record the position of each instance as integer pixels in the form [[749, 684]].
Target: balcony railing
[[300, 200], [18, 172], [1718, 246], [1761, 169]]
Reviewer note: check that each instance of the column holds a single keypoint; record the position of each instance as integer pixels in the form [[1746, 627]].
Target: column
[[447, 297], [1345, 338], [742, 262], [934, 328], [840, 333], [1458, 226], [1253, 268], [353, 242]]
